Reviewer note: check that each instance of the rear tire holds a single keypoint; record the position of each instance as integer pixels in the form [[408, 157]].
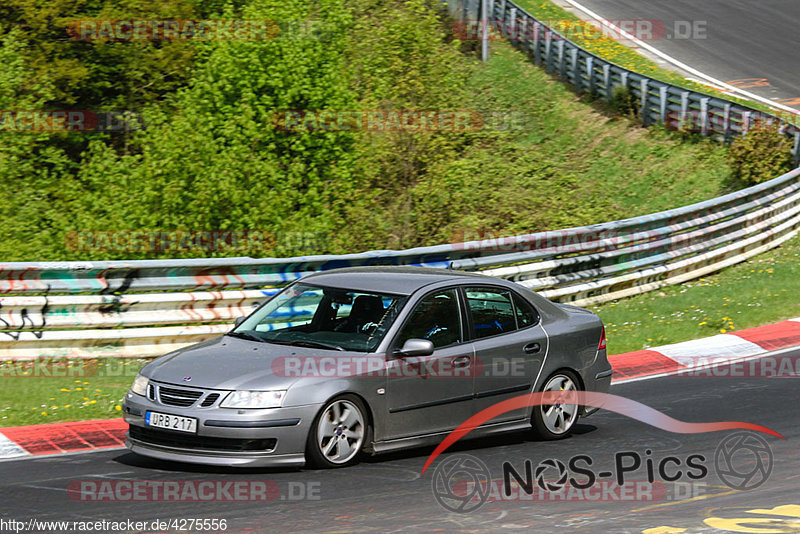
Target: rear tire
[[556, 421], [338, 433]]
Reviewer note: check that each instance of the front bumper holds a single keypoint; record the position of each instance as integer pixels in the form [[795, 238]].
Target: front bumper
[[253, 438]]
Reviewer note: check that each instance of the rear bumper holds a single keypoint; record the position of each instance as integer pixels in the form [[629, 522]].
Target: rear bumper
[[597, 377]]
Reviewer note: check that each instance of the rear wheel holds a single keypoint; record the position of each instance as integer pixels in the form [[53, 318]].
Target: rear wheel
[[338, 433], [556, 421]]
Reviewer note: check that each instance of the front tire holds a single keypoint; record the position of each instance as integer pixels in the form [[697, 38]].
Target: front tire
[[556, 421], [338, 433]]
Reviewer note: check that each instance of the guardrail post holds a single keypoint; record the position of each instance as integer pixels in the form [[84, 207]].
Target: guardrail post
[[797, 149], [562, 63], [662, 103], [607, 80], [644, 108], [575, 74], [485, 16], [684, 107], [548, 49], [726, 122], [590, 73], [512, 24], [537, 57], [746, 122], [623, 79], [502, 11], [523, 34], [704, 115]]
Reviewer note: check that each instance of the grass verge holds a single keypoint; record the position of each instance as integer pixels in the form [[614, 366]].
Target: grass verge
[[760, 291], [90, 389]]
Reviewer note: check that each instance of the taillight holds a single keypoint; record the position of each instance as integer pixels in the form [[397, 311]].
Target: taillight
[[602, 344]]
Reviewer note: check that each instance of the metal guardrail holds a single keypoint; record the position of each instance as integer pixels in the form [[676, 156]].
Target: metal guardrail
[[658, 102], [149, 307]]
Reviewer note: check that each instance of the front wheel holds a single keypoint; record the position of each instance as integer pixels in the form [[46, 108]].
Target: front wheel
[[337, 435], [556, 421]]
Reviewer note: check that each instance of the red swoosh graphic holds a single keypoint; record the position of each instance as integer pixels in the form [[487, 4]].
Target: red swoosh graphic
[[607, 401]]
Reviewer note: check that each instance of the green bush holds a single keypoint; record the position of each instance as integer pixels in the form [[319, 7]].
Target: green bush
[[761, 155]]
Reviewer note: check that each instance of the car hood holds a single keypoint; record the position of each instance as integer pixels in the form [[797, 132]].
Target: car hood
[[230, 363]]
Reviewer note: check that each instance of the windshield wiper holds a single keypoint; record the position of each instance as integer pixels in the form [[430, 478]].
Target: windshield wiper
[[307, 343], [245, 335]]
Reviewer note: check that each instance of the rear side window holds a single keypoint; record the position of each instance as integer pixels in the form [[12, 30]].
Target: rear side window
[[526, 315], [492, 311]]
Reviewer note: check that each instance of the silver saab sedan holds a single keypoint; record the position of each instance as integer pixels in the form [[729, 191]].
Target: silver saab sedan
[[364, 361]]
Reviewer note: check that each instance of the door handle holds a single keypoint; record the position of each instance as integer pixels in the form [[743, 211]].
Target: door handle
[[532, 348], [461, 361]]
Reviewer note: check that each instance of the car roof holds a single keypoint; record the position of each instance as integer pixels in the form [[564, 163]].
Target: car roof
[[389, 279]]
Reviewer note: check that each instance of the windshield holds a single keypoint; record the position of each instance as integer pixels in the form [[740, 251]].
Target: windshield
[[323, 317]]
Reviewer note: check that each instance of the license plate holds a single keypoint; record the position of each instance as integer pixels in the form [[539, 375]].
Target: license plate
[[171, 422]]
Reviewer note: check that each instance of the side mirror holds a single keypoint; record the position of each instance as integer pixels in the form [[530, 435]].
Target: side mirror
[[416, 347], [239, 320]]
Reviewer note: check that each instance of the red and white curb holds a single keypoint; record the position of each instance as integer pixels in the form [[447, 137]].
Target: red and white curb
[[58, 438], [701, 353]]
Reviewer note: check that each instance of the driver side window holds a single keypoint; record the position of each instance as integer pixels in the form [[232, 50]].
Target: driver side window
[[435, 318]]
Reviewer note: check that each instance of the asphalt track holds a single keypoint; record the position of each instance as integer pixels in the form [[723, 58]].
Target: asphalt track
[[746, 43], [388, 493]]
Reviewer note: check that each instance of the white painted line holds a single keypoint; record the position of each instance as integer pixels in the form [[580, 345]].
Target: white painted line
[[796, 320], [9, 449], [684, 66], [724, 347]]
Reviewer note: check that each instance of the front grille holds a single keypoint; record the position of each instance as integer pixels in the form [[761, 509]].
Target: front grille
[[209, 400], [166, 438], [151, 392], [178, 397]]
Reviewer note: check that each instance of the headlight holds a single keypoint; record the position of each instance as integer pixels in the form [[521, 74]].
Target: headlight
[[254, 399], [140, 385]]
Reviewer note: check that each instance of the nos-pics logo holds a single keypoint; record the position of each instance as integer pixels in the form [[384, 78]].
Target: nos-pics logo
[[462, 483]]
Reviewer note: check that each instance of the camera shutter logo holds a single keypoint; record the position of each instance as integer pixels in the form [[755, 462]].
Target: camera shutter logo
[[465, 472], [743, 461], [553, 484]]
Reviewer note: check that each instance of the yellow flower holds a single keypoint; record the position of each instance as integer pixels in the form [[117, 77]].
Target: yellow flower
[[118, 408]]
